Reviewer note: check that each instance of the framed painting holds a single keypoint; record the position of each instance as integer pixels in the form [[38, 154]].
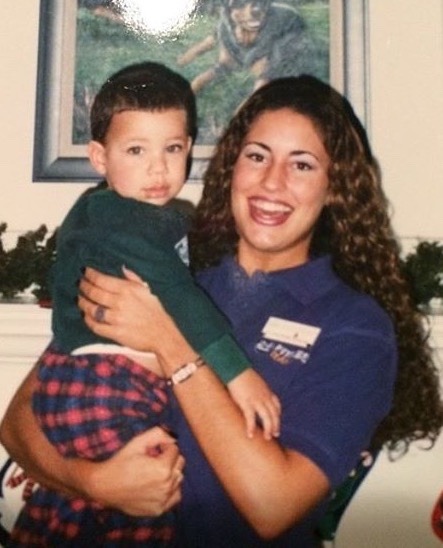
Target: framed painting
[[225, 48]]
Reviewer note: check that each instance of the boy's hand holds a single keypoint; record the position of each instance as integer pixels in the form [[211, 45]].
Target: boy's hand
[[255, 399]]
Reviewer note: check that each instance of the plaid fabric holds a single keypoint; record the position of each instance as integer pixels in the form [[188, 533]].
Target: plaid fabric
[[51, 521], [89, 406]]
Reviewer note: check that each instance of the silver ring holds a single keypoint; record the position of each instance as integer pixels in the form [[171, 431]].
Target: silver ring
[[99, 314]]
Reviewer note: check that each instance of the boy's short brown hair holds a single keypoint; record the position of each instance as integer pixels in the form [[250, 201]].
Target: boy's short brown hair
[[144, 86]]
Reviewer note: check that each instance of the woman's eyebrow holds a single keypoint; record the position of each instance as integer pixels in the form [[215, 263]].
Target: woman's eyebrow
[[296, 152], [257, 143]]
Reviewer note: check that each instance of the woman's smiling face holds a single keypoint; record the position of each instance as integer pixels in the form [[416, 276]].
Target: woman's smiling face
[[279, 188]]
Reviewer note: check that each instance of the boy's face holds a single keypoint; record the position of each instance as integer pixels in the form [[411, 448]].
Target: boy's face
[[144, 155]]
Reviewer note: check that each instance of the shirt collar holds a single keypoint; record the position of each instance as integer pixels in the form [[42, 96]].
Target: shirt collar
[[306, 282]]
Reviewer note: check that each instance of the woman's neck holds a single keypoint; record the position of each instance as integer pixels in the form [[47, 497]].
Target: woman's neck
[[253, 261]]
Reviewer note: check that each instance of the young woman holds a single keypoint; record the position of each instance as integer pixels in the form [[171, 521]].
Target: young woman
[[292, 240]]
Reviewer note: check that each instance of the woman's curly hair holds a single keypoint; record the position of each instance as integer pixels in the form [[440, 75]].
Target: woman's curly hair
[[354, 228]]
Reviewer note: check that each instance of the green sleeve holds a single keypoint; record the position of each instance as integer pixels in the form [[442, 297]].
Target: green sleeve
[[226, 358]]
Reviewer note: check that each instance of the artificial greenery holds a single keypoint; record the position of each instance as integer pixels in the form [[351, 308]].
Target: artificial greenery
[[424, 269], [26, 266], [44, 259]]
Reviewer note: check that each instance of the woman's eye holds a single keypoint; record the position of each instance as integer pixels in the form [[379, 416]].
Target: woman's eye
[[135, 150], [255, 156], [303, 166]]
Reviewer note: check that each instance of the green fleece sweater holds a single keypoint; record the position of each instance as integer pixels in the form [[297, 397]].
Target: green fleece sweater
[[106, 231]]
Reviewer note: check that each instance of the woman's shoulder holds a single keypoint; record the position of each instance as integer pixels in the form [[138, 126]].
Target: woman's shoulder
[[359, 312]]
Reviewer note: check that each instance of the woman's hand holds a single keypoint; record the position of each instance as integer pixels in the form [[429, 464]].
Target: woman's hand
[[137, 482], [123, 310]]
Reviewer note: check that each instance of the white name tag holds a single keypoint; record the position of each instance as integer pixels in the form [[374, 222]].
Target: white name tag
[[297, 334]]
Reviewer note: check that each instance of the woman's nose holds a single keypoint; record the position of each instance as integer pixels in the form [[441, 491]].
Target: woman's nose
[[274, 178]]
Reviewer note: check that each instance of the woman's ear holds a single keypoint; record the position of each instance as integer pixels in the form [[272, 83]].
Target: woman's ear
[[97, 157]]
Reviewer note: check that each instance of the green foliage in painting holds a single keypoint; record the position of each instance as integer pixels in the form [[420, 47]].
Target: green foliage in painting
[[105, 45]]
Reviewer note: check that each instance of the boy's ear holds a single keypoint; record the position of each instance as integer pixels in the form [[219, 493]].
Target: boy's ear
[[97, 157]]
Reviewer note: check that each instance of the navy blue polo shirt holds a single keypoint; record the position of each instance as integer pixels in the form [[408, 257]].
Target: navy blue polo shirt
[[328, 352]]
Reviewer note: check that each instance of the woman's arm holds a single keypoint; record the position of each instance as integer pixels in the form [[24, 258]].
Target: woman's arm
[[146, 485], [271, 486], [21, 436]]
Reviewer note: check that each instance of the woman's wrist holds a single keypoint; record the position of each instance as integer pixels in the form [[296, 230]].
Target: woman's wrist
[[185, 371], [175, 353]]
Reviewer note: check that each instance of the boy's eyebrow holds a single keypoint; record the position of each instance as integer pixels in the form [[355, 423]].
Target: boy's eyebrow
[[148, 139]]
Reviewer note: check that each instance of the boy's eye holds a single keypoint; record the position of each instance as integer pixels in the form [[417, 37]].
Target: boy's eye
[[135, 150], [176, 147]]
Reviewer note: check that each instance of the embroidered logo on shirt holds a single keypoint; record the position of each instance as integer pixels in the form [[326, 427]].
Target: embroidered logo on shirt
[[182, 250], [278, 334]]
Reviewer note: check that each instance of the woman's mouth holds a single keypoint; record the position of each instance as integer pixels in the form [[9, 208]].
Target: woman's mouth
[[268, 212]]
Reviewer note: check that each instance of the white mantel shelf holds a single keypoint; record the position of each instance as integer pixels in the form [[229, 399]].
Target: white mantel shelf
[[436, 325], [25, 330]]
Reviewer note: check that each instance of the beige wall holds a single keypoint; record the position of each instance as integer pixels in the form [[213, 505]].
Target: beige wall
[[406, 115], [406, 74]]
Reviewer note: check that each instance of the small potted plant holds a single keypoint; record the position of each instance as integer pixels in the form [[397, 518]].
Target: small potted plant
[[424, 269]]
